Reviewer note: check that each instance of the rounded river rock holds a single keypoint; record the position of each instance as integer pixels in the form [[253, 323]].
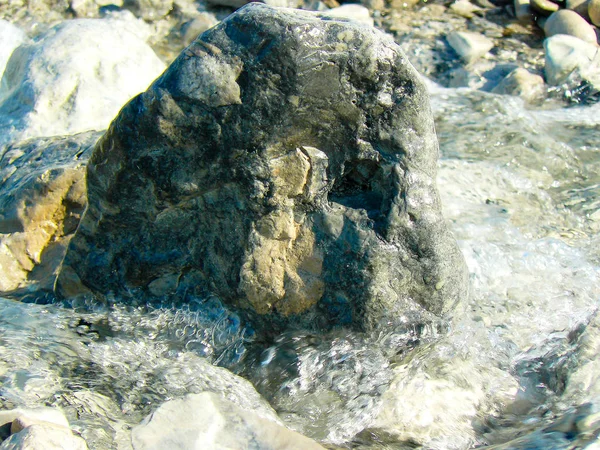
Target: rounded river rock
[[285, 163]]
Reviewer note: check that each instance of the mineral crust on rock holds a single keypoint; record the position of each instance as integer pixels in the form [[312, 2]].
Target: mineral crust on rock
[[286, 163]]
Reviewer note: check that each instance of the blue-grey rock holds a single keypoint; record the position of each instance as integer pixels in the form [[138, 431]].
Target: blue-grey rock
[[286, 163]]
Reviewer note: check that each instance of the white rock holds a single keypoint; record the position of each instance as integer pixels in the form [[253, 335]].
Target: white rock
[[571, 23], [432, 401], [75, 78], [579, 6], [469, 46], [567, 54], [594, 12], [522, 83], [44, 437], [10, 38], [209, 421], [351, 11], [28, 417]]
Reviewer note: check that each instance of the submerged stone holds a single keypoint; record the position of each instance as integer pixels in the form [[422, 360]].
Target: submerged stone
[[286, 163], [207, 420]]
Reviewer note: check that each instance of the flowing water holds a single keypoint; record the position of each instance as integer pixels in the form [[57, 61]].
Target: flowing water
[[517, 367]]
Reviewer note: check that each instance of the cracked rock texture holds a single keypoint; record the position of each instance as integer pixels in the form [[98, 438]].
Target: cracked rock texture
[[286, 163]]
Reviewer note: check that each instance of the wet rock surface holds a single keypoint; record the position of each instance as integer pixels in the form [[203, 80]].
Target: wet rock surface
[[42, 198], [209, 421], [520, 190], [285, 163]]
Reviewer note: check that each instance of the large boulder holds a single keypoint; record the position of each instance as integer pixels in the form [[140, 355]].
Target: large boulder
[[73, 78], [284, 162]]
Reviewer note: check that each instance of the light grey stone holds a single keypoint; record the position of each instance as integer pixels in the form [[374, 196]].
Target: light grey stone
[[469, 46], [571, 23], [523, 10], [74, 78], [44, 437], [209, 421], [356, 13], [522, 83], [230, 174], [567, 54], [431, 395]]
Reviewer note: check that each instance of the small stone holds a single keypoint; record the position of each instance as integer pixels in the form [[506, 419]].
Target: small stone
[[207, 420], [571, 23], [44, 437], [373, 5], [11, 37], [567, 54], [594, 12], [579, 6], [351, 11], [84, 8], [465, 8], [522, 83], [469, 46], [543, 7], [22, 418], [149, 10], [199, 25], [523, 11]]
